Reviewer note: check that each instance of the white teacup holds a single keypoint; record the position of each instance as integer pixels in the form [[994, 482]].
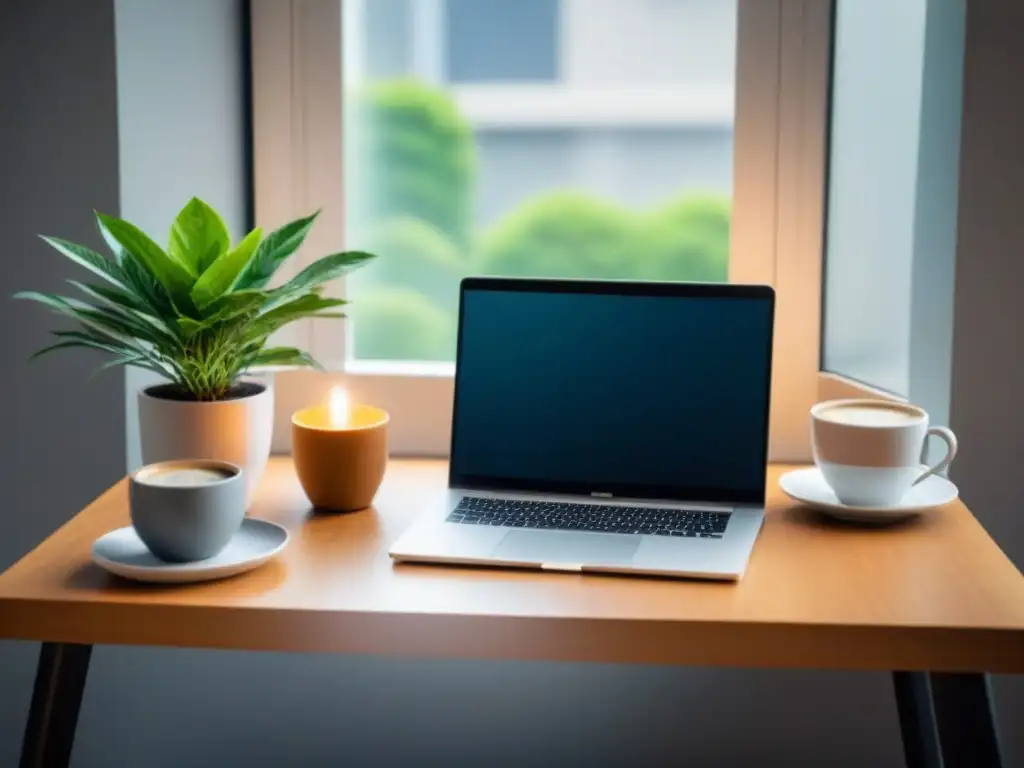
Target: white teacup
[[869, 451]]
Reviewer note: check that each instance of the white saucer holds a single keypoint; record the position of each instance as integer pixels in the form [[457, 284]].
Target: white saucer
[[123, 553], [809, 487]]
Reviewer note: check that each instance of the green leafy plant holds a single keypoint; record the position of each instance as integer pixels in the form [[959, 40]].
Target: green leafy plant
[[200, 312], [688, 239], [411, 152], [566, 233], [402, 324], [575, 234], [419, 257]]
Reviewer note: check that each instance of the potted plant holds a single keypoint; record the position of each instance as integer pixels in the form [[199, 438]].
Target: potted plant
[[199, 314]]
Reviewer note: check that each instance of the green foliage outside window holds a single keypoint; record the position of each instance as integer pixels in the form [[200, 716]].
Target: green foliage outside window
[[415, 164], [686, 240], [420, 259], [563, 234], [402, 324], [413, 154]]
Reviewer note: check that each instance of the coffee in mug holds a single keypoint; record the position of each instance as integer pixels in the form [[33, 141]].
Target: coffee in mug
[[187, 510], [869, 451]]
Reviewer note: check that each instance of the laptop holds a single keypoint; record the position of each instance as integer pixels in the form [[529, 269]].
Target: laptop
[[605, 426]]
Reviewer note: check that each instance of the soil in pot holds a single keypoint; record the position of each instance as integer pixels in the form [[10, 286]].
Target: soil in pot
[[172, 392]]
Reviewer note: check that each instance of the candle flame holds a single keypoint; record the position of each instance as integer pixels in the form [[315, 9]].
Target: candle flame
[[338, 407]]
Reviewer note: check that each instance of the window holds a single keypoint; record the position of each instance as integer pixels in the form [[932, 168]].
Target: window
[[646, 139], [893, 170], [876, 106], [542, 147]]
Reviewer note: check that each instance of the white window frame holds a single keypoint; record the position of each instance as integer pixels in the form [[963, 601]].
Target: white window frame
[[780, 140]]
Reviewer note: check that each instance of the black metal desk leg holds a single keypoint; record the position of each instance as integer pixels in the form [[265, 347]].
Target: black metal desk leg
[[966, 718], [917, 720], [56, 699]]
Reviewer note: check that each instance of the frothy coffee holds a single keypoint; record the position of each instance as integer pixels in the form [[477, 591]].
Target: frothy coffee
[[185, 476], [864, 415]]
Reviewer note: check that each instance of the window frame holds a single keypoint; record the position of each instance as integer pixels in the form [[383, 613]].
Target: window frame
[[780, 141]]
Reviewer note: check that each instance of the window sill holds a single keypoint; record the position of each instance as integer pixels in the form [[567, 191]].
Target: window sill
[[418, 396]]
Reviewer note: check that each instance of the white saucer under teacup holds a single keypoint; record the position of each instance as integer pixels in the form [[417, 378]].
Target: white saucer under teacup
[[122, 552], [808, 486], [867, 455]]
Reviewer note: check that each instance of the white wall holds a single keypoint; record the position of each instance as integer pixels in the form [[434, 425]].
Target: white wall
[[181, 122]]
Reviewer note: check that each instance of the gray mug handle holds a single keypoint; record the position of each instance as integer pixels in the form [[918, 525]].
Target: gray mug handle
[[950, 439]]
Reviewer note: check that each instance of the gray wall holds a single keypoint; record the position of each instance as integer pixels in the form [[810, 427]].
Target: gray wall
[[63, 432], [988, 352], [173, 707]]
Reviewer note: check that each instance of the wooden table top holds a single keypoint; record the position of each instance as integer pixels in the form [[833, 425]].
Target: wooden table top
[[936, 593]]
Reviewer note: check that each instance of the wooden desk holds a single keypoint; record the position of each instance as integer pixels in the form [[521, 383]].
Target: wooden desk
[[933, 595]]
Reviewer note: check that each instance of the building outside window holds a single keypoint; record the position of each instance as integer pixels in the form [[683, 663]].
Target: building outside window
[[558, 138]]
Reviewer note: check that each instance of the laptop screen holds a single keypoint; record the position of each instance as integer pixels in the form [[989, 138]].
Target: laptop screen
[[650, 390]]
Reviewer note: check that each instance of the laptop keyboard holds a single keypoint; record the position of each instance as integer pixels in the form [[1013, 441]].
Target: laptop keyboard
[[599, 518]]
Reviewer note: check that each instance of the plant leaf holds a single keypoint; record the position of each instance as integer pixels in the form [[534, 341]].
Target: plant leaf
[[198, 236], [88, 258], [125, 326], [271, 253], [323, 270], [175, 277], [125, 356], [145, 286], [189, 327], [135, 359], [86, 338], [116, 296], [237, 302], [112, 326], [139, 361], [222, 273], [59, 303], [53, 347], [303, 306], [144, 327], [231, 306], [119, 358], [134, 324], [91, 339], [283, 356]]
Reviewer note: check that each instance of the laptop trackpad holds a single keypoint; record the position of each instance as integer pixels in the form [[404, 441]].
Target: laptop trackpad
[[566, 547]]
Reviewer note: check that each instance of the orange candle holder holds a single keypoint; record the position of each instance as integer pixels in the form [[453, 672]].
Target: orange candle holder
[[340, 466]]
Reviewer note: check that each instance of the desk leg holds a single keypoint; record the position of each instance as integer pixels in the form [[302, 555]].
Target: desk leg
[[966, 718], [947, 720], [917, 720], [56, 699]]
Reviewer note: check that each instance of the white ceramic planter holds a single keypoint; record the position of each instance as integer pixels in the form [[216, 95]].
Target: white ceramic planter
[[238, 431]]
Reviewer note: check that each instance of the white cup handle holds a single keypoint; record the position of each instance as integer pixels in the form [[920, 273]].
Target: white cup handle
[[950, 439]]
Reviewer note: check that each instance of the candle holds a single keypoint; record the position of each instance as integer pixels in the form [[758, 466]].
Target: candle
[[340, 451], [338, 408]]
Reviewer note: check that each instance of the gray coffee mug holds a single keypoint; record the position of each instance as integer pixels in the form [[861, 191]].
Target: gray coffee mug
[[187, 510]]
